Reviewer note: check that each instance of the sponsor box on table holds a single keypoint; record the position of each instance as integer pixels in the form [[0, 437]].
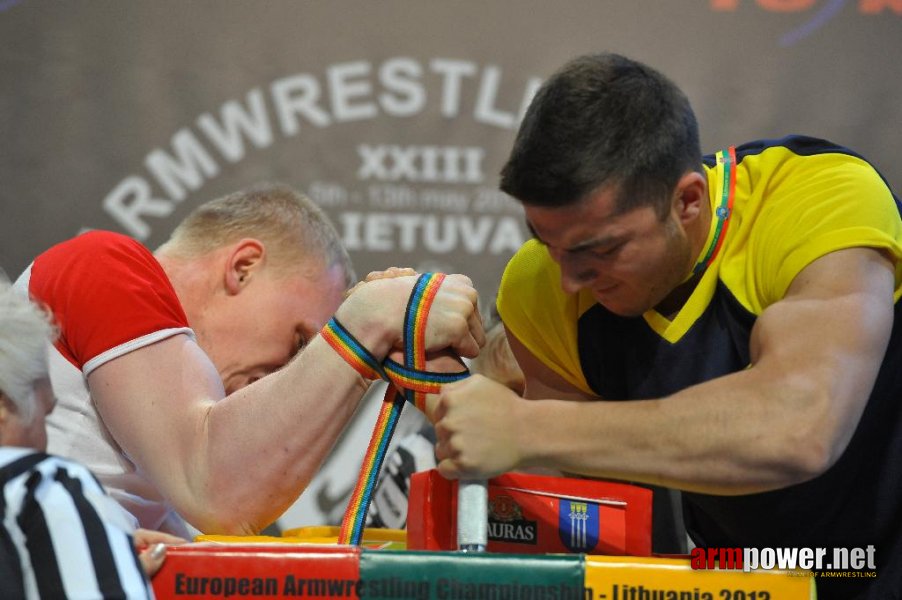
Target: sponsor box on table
[[535, 514]]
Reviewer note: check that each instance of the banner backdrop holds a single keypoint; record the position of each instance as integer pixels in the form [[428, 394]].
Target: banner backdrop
[[395, 116]]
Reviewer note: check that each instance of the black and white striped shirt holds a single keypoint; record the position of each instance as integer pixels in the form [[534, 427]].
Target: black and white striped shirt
[[62, 536]]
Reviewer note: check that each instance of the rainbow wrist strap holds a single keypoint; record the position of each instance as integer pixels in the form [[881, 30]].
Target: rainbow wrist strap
[[408, 383], [351, 350]]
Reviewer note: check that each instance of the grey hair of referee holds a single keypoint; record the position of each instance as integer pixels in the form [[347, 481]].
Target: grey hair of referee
[[26, 398], [25, 393]]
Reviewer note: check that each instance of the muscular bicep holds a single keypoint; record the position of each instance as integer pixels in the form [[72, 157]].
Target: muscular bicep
[[542, 382], [829, 335], [154, 401]]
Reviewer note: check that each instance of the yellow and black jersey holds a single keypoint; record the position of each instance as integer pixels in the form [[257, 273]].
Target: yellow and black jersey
[[795, 200]]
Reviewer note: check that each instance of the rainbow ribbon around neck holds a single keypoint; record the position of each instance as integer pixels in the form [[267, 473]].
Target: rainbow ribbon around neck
[[724, 211], [408, 383]]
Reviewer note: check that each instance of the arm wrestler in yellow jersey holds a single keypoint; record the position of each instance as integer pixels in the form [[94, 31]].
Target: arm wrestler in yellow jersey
[[727, 325]]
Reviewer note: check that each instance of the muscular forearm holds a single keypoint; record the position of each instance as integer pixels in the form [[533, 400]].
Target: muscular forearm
[[289, 421], [727, 436], [264, 443], [232, 464]]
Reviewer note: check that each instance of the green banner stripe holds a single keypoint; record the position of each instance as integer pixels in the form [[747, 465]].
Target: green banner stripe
[[457, 576]]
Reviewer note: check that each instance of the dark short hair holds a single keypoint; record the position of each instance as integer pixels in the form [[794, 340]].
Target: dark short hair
[[603, 119]]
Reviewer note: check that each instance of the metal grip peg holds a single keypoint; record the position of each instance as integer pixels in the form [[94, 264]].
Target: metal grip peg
[[472, 515]]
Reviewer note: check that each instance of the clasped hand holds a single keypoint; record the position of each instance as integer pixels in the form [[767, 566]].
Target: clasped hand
[[453, 327], [477, 428]]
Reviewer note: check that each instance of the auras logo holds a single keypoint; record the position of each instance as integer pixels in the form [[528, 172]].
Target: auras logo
[[821, 12]]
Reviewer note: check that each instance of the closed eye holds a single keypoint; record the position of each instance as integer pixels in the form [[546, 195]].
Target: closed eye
[[300, 341], [607, 252]]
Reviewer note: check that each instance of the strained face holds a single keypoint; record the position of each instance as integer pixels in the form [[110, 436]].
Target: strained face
[[628, 261], [275, 320]]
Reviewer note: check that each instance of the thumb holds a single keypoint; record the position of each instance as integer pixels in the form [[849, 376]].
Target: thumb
[[152, 558], [448, 469]]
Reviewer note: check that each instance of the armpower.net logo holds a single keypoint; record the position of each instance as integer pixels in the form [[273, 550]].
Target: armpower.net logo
[[819, 562]]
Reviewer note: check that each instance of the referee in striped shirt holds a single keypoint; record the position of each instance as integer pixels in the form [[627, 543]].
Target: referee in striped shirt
[[62, 536]]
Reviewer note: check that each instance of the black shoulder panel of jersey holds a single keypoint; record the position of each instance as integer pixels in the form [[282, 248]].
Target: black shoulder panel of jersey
[[797, 144], [800, 145]]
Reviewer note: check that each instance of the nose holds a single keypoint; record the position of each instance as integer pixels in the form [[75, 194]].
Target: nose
[[575, 274], [572, 282]]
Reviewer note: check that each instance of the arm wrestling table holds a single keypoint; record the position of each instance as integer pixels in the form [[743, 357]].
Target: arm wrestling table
[[548, 539]]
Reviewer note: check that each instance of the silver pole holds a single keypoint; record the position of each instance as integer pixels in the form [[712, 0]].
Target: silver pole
[[472, 515]]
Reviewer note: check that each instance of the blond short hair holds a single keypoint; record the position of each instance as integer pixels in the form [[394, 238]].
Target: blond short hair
[[25, 333], [292, 227]]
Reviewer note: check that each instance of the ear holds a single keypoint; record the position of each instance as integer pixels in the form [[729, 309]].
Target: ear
[[691, 197], [244, 261]]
